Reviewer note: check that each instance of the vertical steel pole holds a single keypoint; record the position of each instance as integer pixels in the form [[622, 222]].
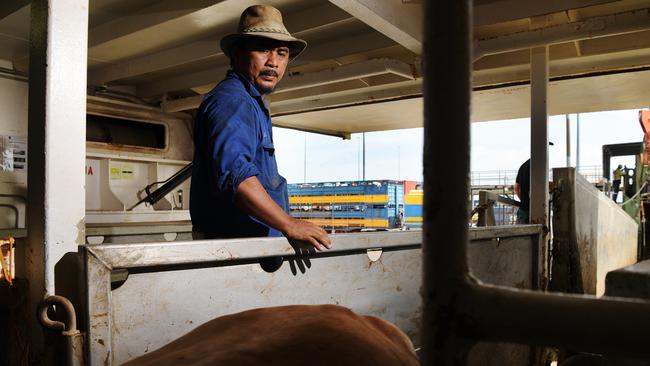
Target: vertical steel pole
[[568, 140], [363, 155], [447, 87], [539, 136], [57, 142], [577, 141], [539, 194]]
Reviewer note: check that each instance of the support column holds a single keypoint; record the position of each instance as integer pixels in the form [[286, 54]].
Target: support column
[[539, 136], [568, 141], [577, 142], [56, 144], [363, 154], [539, 194], [447, 88]]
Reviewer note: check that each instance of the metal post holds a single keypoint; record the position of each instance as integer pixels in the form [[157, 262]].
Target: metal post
[[359, 160], [57, 142], [539, 136], [363, 155], [577, 142], [447, 86], [568, 140]]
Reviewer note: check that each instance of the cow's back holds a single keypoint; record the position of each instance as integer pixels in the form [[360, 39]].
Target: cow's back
[[288, 336]]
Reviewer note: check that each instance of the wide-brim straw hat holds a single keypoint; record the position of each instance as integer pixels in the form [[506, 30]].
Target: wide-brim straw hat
[[263, 21]]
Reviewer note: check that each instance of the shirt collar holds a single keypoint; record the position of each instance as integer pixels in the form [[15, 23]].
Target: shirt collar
[[250, 88]]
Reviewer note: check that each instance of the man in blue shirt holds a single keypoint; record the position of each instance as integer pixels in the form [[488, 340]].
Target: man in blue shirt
[[236, 188]]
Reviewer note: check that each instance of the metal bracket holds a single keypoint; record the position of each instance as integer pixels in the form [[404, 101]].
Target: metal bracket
[[374, 254], [74, 338]]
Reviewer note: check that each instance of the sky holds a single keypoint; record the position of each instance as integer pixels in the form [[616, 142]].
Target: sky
[[496, 145]]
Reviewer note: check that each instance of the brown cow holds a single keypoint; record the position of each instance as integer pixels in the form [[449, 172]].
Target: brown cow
[[289, 336]]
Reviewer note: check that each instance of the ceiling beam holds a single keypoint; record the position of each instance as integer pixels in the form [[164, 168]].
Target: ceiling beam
[[342, 134], [399, 22], [347, 97], [329, 50], [314, 79], [159, 12], [181, 82], [163, 24], [297, 22], [154, 62], [506, 10], [9, 7], [602, 26], [345, 73], [563, 68]]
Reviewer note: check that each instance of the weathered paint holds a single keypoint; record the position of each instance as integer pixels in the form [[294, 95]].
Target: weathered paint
[[174, 287], [57, 143], [592, 235]]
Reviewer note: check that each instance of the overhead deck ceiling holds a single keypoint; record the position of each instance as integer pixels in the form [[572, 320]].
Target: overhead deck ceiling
[[361, 70]]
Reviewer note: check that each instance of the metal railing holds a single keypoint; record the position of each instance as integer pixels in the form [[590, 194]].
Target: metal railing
[[494, 209], [593, 173]]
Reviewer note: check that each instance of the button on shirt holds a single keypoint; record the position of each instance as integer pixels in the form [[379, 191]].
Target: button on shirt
[[233, 141]]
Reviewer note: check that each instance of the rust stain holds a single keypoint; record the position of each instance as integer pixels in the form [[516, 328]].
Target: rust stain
[[416, 318], [108, 355], [380, 261], [521, 284], [100, 315], [383, 267], [269, 287]]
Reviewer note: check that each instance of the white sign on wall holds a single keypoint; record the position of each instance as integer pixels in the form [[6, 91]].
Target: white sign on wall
[[13, 153]]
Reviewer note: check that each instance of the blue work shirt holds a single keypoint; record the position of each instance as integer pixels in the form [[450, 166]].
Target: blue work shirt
[[233, 141]]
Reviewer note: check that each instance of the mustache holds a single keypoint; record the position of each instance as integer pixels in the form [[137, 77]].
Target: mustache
[[269, 72]]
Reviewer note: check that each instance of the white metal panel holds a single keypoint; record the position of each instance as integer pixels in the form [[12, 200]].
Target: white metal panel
[[174, 287], [57, 133], [57, 146]]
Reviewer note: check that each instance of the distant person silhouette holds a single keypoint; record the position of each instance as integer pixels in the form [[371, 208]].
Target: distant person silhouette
[[522, 190], [616, 183]]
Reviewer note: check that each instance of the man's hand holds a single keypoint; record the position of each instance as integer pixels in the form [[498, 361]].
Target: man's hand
[[306, 232], [253, 199]]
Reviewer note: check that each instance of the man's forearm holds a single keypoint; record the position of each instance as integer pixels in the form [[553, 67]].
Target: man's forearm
[[253, 199]]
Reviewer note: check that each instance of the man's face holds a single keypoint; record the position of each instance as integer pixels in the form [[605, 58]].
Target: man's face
[[263, 61]]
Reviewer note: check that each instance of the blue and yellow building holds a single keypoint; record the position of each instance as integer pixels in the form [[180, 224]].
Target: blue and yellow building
[[350, 205], [413, 209]]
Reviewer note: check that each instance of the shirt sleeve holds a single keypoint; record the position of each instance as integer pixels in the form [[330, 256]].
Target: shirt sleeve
[[232, 143]]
